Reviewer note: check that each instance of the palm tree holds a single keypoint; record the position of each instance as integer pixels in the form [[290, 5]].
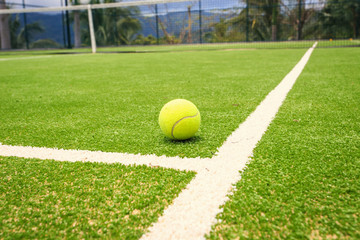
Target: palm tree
[[32, 29], [114, 26], [18, 39], [127, 29]]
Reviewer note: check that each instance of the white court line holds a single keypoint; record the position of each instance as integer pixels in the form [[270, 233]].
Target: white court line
[[192, 164], [193, 212], [43, 56], [22, 58]]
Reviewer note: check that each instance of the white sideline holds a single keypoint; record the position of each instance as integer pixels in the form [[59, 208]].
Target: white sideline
[[193, 212], [42, 56], [22, 58]]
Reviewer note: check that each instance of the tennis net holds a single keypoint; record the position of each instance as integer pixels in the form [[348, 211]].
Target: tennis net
[[128, 26]]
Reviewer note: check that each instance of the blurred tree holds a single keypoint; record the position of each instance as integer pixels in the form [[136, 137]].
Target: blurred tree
[[148, 40], [14, 24], [264, 17], [300, 14], [45, 43], [32, 30], [18, 35], [340, 19], [227, 29], [113, 26], [127, 28], [220, 29], [176, 28]]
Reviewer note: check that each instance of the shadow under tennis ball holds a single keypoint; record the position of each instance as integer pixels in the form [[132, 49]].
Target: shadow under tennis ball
[[195, 139]]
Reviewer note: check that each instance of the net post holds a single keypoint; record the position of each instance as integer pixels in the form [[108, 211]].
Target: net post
[[157, 24], [247, 20], [67, 26], [25, 26], [299, 21], [200, 22], [92, 33], [63, 24]]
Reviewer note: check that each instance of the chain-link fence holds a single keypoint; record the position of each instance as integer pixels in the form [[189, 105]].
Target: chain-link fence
[[190, 22]]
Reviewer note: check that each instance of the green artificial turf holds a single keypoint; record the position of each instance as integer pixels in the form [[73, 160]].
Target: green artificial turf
[[186, 47], [111, 102], [37, 52], [241, 45], [303, 181], [209, 46], [338, 43], [171, 48], [62, 200]]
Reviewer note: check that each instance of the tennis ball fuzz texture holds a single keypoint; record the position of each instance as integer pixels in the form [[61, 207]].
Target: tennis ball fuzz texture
[[179, 119]]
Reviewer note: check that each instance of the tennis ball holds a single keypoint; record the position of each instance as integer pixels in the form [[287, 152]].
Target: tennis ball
[[179, 119]]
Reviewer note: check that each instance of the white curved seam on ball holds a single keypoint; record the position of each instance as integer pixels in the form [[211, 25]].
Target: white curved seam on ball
[[173, 127]]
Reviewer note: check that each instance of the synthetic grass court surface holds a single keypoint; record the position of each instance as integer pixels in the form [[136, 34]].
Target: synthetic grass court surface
[[324, 205], [111, 102], [55, 200], [303, 182], [188, 47], [228, 46]]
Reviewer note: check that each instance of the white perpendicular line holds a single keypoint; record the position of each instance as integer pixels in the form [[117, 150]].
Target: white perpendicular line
[[194, 211], [42, 56], [191, 164], [22, 58]]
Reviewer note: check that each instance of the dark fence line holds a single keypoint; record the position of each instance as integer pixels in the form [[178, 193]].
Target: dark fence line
[[191, 22]]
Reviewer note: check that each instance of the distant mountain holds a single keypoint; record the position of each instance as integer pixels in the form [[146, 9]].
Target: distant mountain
[[174, 22]]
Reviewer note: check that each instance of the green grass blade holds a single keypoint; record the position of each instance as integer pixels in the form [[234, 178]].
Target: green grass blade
[[46, 199], [303, 182]]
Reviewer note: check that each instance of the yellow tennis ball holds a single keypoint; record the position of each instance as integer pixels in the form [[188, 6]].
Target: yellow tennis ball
[[179, 119]]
